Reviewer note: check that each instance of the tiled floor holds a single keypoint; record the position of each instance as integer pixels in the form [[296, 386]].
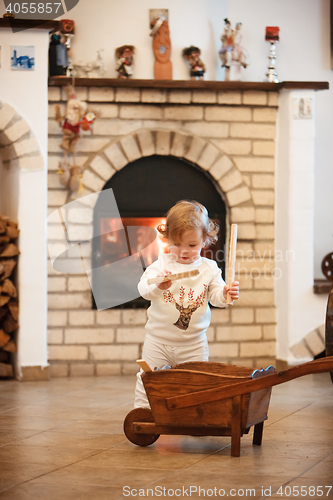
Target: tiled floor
[[64, 439]]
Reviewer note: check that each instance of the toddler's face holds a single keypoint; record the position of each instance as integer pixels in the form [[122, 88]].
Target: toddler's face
[[188, 248]]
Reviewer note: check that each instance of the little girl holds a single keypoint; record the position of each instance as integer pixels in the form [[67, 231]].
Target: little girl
[[179, 314]]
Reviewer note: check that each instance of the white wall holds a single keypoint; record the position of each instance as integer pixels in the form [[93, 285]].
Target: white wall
[[24, 194]]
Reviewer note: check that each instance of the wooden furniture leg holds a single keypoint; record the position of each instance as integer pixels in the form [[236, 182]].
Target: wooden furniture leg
[[236, 426], [257, 434]]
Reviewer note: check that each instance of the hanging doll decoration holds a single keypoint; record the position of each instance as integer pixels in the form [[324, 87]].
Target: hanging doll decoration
[[197, 67], [125, 61], [76, 117], [232, 54]]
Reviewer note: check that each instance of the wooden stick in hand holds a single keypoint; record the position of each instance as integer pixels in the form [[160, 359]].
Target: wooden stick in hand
[[232, 260], [173, 277]]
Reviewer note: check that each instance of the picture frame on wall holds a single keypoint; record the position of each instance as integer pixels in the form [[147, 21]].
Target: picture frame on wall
[[22, 57]]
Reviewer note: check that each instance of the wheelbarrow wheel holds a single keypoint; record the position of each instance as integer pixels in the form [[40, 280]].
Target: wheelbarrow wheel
[[329, 326], [139, 415]]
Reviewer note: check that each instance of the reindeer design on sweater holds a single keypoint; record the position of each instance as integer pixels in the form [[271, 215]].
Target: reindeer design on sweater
[[185, 312]]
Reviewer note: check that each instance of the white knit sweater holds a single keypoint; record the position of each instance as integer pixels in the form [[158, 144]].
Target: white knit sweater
[[181, 314]]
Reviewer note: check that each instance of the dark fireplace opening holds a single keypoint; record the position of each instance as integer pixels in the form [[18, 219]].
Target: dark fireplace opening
[[144, 191]]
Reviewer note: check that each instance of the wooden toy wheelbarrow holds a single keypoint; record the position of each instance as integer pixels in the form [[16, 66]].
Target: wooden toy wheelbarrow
[[215, 399]]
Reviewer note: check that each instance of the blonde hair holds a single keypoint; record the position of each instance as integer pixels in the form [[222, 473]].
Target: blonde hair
[[187, 215]]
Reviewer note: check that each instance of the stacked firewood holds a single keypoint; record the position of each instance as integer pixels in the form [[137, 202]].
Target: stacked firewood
[[8, 294]]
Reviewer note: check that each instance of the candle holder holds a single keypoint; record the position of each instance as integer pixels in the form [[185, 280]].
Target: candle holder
[[272, 36]]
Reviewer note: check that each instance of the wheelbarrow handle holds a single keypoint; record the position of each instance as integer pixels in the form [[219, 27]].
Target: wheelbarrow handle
[[229, 391]]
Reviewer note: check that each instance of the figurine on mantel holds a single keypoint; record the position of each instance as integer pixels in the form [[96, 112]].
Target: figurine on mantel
[[76, 117], [197, 67], [92, 69], [233, 55], [125, 61]]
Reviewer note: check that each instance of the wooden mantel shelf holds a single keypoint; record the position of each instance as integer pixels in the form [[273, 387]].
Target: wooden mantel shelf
[[24, 24], [57, 81]]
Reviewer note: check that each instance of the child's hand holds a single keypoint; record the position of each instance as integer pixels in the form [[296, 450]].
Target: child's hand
[[166, 284], [233, 291]]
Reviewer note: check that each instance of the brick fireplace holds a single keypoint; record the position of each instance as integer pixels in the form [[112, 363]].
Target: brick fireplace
[[227, 131]]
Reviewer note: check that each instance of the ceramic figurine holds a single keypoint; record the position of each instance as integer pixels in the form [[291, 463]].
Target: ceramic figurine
[[162, 49], [125, 61], [197, 67], [232, 54], [92, 69]]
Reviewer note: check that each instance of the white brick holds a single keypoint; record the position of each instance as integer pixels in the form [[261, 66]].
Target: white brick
[[204, 129], [56, 318], [249, 349], [105, 110], [58, 370], [204, 96], [64, 353], [221, 167], [153, 95], [56, 284], [255, 97], [229, 97], [114, 352], [226, 333], [256, 298], [80, 232], [246, 231], [92, 181], [134, 316], [273, 98], [69, 301], [78, 284], [242, 315], [180, 96], [89, 336], [234, 146], [183, 113], [242, 214], [115, 127], [231, 180], [101, 94], [225, 350], [146, 142], [162, 142], [314, 342], [263, 197], [108, 317], [7, 113], [108, 369], [264, 215], [264, 148], [81, 93], [17, 130], [252, 130], [220, 315], [57, 198], [80, 215], [254, 164], [265, 315], [264, 250], [31, 163], [321, 331], [55, 336], [127, 95], [263, 181], [208, 156], [116, 156], [178, 144], [229, 114], [91, 144], [81, 318], [81, 370], [141, 111], [130, 335], [54, 94], [264, 282], [265, 232], [238, 196], [264, 115], [301, 350], [196, 147], [269, 332], [130, 148], [102, 168], [26, 146]]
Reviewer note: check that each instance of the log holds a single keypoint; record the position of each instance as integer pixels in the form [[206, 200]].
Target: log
[[11, 250], [3, 300], [4, 338], [6, 370], [8, 288], [3, 311], [4, 357], [12, 232], [14, 309], [3, 225], [8, 265], [10, 347], [4, 239], [9, 324]]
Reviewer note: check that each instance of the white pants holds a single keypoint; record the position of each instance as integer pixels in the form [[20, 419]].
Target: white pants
[[158, 355]]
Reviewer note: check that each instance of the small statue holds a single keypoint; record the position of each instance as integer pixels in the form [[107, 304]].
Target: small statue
[[58, 55], [92, 69], [161, 48], [192, 55], [125, 61], [76, 117], [232, 54]]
